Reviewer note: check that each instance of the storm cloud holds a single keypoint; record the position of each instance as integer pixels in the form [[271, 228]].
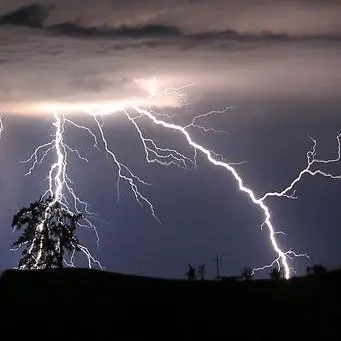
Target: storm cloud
[[292, 17], [73, 61]]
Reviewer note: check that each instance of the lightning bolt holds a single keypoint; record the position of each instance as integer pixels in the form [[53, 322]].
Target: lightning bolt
[[60, 186], [1, 125], [60, 183], [282, 259], [309, 170]]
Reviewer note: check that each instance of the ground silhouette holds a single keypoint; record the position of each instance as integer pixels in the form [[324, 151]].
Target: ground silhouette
[[116, 306]]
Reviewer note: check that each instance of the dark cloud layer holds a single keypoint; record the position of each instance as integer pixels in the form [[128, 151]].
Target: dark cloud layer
[[283, 16], [35, 16], [31, 16]]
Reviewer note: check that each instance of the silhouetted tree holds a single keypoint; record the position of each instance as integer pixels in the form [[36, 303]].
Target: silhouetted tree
[[316, 270], [48, 232], [247, 273], [275, 273], [201, 271], [191, 273]]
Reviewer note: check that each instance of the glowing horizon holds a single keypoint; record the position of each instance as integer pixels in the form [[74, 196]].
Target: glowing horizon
[[150, 86]]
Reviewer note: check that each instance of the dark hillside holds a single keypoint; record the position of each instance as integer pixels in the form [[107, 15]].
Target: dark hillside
[[126, 306]]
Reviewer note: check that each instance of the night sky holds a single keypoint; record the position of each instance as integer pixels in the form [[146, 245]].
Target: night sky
[[276, 66]]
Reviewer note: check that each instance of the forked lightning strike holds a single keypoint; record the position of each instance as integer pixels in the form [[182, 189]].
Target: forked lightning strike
[[311, 162], [60, 184], [288, 192]]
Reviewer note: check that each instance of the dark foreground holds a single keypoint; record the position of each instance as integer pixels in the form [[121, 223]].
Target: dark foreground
[[45, 305]]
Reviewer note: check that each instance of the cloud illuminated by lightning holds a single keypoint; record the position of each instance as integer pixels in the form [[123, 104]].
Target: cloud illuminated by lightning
[[60, 185]]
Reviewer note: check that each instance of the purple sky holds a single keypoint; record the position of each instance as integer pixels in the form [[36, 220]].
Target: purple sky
[[276, 65]]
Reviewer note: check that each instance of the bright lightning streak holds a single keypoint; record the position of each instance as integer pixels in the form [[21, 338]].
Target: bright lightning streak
[[59, 183], [154, 153], [124, 173], [282, 256], [1, 125], [311, 162]]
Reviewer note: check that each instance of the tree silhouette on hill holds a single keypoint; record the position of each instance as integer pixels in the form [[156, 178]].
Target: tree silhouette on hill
[[316, 270], [191, 273], [276, 274], [48, 232], [247, 273], [201, 271]]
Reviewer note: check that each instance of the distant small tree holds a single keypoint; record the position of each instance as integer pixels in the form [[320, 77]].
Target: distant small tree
[[191, 273], [48, 232], [201, 271], [247, 273], [275, 274], [316, 270]]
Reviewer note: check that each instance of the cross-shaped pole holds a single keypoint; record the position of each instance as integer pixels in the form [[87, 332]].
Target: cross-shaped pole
[[217, 260]]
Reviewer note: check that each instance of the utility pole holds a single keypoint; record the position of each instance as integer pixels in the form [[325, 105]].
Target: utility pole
[[217, 260]]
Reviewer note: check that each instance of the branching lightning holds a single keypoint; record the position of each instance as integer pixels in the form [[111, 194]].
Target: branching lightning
[[60, 185], [309, 170], [283, 257]]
